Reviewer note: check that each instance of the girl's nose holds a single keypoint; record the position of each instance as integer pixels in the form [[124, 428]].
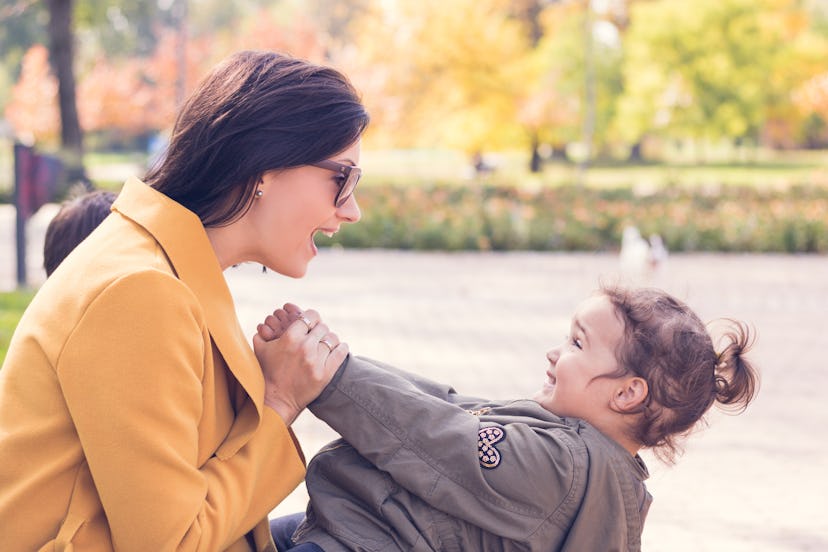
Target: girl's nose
[[553, 355]]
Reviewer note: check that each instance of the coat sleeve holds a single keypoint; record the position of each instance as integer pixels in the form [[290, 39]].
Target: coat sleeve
[[438, 390], [511, 479], [131, 374]]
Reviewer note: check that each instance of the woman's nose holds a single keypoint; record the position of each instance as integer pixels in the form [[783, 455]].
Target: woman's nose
[[350, 210]]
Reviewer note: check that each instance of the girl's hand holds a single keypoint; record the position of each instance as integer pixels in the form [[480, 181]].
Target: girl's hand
[[275, 324], [298, 357]]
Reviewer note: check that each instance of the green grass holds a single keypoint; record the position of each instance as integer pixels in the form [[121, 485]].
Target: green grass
[[12, 305], [760, 169]]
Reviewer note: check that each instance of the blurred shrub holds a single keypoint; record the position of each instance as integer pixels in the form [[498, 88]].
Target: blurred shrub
[[571, 218]]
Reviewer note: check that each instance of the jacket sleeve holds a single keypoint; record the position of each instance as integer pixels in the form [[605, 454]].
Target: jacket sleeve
[[511, 478], [438, 390], [131, 373]]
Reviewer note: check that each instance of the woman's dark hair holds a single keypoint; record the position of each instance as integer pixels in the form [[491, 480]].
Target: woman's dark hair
[[72, 224], [666, 344], [255, 112]]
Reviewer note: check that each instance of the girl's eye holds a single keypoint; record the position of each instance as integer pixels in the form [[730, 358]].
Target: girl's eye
[[574, 341]]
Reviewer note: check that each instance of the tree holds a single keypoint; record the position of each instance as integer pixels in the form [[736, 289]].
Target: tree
[[33, 110], [714, 72], [61, 54], [123, 28], [529, 12], [291, 31], [811, 100], [116, 95], [562, 53], [20, 29], [335, 17], [443, 72]]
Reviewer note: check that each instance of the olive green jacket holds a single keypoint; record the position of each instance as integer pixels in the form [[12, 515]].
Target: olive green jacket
[[424, 469]]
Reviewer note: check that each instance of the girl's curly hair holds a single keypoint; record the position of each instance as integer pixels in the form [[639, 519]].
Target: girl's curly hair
[[667, 345]]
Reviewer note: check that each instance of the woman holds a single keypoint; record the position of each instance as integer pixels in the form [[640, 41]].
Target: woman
[[133, 412]]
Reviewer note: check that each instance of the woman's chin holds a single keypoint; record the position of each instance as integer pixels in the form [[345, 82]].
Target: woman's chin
[[294, 270], [296, 273]]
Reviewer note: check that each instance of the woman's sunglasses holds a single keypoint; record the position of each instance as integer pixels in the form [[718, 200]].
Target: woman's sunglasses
[[348, 179]]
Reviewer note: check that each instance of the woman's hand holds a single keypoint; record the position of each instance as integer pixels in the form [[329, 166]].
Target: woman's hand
[[298, 356]]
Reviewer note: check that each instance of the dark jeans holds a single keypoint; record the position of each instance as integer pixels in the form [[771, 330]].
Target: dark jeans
[[283, 527]]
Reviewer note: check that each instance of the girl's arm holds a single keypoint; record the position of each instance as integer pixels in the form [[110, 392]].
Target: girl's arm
[[510, 477], [275, 325], [430, 387]]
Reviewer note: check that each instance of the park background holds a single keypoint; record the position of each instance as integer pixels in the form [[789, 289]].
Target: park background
[[511, 145]]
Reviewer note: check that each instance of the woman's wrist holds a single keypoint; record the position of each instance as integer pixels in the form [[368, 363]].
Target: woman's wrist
[[285, 411]]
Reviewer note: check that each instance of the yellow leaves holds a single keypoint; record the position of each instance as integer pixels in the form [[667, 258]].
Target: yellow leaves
[[737, 60], [453, 70], [135, 95], [812, 96], [476, 74]]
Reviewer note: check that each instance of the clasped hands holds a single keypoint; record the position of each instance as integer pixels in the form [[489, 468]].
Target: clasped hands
[[298, 356]]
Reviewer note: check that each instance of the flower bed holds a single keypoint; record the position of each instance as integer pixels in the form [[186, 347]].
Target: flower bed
[[571, 218]]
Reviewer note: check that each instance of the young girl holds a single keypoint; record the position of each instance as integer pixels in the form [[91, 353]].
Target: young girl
[[423, 468]]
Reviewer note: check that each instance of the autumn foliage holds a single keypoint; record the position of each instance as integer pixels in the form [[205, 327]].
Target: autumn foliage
[[813, 96], [139, 95], [33, 111], [488, 75]]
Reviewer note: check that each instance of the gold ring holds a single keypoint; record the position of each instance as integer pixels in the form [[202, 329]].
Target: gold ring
[[307, 322], [327, 344]]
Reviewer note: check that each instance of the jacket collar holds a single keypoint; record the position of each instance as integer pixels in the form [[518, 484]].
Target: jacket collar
[[181, 235]]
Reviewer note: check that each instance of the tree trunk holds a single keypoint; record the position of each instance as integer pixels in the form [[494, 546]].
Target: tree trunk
[[636, 155], [61, 54], [535, 162]]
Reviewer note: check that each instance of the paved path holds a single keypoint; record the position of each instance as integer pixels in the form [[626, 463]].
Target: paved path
[[482, 322], [34, 241]]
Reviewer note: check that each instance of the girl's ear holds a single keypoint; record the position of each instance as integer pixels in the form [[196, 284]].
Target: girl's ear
[[630, 394]]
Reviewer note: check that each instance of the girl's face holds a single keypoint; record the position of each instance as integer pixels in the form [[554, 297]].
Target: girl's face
[[574, 386], [295, 205]]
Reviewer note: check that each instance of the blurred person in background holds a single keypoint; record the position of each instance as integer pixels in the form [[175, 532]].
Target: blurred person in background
[[71, 225]]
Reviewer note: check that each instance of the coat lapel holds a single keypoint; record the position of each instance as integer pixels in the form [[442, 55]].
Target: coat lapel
[[182, 237]]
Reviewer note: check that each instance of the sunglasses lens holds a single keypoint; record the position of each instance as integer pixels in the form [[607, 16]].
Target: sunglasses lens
[[347, 189]]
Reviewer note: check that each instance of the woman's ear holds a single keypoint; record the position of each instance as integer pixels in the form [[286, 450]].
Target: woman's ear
[[630, 394]]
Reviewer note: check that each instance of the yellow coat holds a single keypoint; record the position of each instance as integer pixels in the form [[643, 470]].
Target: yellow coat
[[131, 403]]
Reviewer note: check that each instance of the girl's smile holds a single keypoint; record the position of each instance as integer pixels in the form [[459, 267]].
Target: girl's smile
[[575, 380]]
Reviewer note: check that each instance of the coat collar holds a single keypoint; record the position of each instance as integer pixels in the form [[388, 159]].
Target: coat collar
[[181, 235]]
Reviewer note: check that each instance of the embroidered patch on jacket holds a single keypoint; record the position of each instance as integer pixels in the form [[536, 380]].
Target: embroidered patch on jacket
[[487, 453]]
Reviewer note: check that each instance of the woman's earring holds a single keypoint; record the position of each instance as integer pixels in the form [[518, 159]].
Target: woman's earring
[[259, 194]]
